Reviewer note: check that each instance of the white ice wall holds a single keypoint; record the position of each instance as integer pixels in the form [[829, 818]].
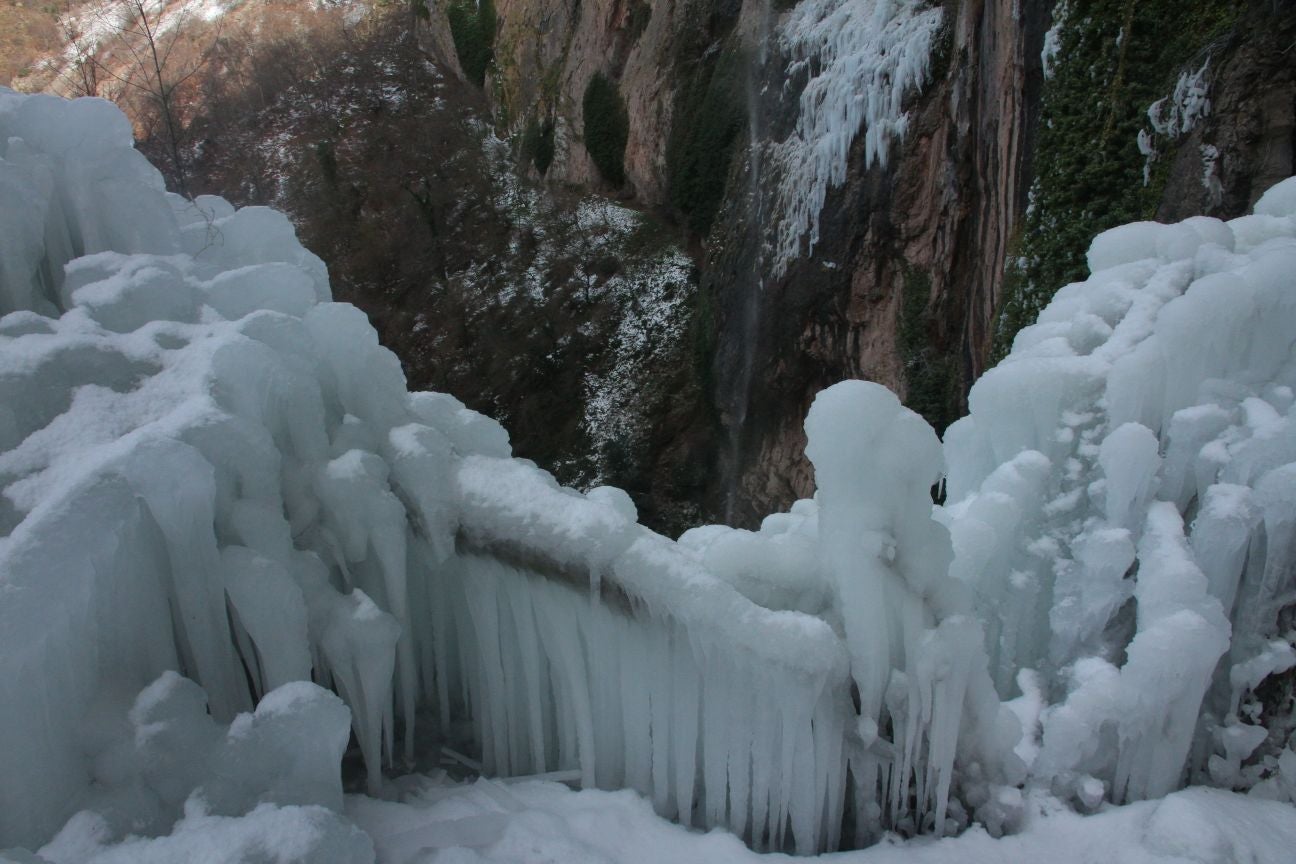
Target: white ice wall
[[1118, 498]]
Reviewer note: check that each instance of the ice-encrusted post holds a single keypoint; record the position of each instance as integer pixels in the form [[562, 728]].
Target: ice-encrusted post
[[888, 563], [875, 462]]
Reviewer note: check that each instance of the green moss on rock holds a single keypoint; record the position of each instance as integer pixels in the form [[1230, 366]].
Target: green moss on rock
[[710, 116], [1115, 58], [472, 27], [538, 144]]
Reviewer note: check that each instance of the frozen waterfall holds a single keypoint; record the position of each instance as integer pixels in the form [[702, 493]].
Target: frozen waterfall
[[220, 503], [860, 60]]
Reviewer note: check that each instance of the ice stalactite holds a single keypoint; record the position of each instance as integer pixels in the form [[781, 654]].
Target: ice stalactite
[[555, 679], [652, 674]]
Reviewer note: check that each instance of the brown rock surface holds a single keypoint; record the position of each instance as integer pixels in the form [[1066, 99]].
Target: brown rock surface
[[548, 51], [945, 209]]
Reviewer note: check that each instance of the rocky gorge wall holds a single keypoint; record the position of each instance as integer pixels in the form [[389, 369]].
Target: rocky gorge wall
[[546, 52], [903, 284], [907, 284]]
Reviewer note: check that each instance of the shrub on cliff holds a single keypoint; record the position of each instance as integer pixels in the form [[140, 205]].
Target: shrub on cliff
[[472, 26], [931, 376], [607, 127], [712, 116], [538, 144]]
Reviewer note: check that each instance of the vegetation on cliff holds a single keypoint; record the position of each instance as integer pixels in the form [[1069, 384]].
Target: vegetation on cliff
[[1108, 62], [538, 144], [710, 118], [607, 128], [472, 26], [931, 378]]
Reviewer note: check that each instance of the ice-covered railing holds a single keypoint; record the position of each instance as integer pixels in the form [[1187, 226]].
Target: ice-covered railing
[[653, 674], [1121, 501], [208, 467], [861, 58]]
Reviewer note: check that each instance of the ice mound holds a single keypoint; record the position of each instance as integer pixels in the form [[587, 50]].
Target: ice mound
[[1120, 501], [297, 835]]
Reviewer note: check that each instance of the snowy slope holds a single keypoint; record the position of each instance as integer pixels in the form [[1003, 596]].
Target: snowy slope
[[210, 468]]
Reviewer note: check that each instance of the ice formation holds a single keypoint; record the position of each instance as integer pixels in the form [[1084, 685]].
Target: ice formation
[[1053, 38], [1120, 503], [1174, 116], [861, 59], [220, 503], [257, 501]]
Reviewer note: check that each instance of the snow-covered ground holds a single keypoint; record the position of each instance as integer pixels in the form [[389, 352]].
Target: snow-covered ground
[[545, 822], [231, 541]]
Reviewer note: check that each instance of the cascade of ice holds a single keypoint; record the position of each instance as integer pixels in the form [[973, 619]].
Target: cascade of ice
[[559, 679], [259, 501], [861, 58], [1166, 375]]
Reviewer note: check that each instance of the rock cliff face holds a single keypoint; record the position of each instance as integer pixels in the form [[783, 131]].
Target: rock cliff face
[[1245, 144], [907, 276], [902, 287], [546, 52]]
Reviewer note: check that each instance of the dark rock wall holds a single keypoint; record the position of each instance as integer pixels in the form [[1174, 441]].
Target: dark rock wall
[[1252, 124]]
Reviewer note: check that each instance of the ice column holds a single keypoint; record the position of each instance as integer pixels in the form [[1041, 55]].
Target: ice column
[[888, 561]]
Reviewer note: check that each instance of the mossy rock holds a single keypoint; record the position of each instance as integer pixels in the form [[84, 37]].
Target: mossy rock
[[1115, 58], [538, 144], [472, 27], [931, 379]]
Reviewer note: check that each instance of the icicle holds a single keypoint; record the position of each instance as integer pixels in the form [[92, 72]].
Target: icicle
[[738, 741], [659, 697], [528, 641], [635, 712], [686, 700]]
